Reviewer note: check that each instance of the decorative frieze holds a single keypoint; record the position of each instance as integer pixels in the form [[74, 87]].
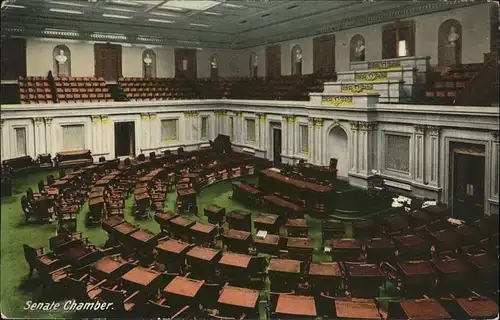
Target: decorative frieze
[[358, 88], [384, 65], [338, 101], [370, 76]]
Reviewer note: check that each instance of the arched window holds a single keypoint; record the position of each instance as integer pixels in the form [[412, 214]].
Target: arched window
[[450, 43], [214, 66], [62, 61], [148, 63], [296, 59], [254, 65], [357, 48]]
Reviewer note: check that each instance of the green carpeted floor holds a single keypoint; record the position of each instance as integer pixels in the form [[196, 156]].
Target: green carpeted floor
[[16, 290]]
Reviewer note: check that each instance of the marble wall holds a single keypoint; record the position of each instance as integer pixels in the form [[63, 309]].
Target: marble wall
[[408, 144]]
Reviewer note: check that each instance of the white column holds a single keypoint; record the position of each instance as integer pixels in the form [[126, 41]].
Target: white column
[[264, 133], [434, 155], [145, 131], [239, 127], [363, 148], [419, 151], [293, 137], [257, 131], [155, 131], [38, 136], [284, 134], [95, 128], [354, 146]]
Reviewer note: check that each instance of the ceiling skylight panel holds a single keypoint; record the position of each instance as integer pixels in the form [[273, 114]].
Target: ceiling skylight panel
[[65, 11], [190, 5]]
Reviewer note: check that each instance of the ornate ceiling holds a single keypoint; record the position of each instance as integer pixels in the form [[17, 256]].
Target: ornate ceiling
[[221, 24]]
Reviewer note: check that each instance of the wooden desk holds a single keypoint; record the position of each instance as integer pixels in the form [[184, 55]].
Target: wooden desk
[[174, 247], [332, 229], [183, 287], [284, 266], [164, 217], [346, 249], [484, 266], [297, 227], [203, 233], [445, 240], [246, 194], [239, 220], [411, 247], [215, 214], [364, 279], [180, 225], [237, 240], [380, 249], [356, 309], [143, 238], [110, 267], [325, 276], [477, 308], [234, 260], [300, 245], [453, 273], [282, 207], [124, 229], [202, 254], [270, 244], [364, 229], [418, 273], [424, 309], [292, 305], [141, 278], [239, 297], [267, 222], [418, 218]]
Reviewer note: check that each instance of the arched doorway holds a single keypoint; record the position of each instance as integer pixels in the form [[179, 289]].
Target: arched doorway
[[337, 148]]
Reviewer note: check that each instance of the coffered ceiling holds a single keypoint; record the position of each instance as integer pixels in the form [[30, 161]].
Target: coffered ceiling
[[221, 24]]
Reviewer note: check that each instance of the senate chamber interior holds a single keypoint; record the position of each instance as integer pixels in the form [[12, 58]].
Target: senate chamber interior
[[249, 159]]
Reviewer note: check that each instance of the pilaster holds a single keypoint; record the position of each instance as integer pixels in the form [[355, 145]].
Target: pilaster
[[318, 145], [310, 151], [262, 131], [367, 147], [106, 135], [433, 166], [285, 120], [154, 131], [49, 136], [146, 131], [238, 127], [354, 146], [419, 146], [39, 136], [96, 134], [3, 145]]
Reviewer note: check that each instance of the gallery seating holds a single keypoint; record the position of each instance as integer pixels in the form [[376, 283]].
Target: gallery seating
[[139, 89], [81, 89], [35, 90]]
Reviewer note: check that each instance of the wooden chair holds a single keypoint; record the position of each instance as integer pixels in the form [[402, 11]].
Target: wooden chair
[[157, 309], [54, 282], [28, 210], [85, 288], [38, 260], [120, 300]]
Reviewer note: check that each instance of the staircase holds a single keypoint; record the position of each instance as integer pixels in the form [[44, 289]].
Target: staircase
[[443, 86], [482, 90]]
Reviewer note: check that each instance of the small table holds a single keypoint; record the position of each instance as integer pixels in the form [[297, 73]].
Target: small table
[[180, 226], [239, 297], [202, 256], [233, 264], [424, 309], [411, 247], [143, 238], [300, 245], [297, 227], [292, 305], [183, 287], [445, 240], [267, 222], [346, 249], [452, 273], [364, 279], [356, 309], [141, 278]]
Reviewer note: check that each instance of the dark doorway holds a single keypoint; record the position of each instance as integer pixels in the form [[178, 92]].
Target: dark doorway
[[273, 61], [276, 146], [468, 184], [185, 63], [124, 139]]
